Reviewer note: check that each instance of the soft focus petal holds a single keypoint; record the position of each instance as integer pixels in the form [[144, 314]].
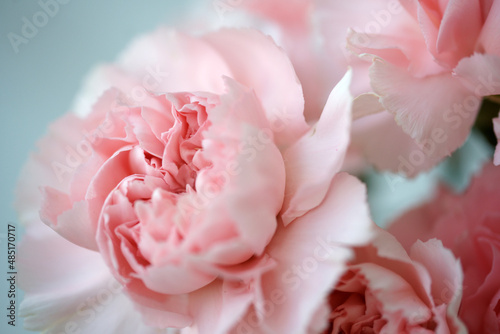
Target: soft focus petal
[[448, 106], [385, 290], [52, 166], [459, 30], [480, 73], [164, 61], [312, 162], [365, 105], [446, 275], [310, 253], [291, 12], [468, 225], [488, 40], [54, 290], [375, 133]]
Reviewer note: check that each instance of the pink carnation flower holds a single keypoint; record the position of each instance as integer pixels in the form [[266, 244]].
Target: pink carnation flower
[[188, 188], [387, 290], [431, 64], [469, 225]]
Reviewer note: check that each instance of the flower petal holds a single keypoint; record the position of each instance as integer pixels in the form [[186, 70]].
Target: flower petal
[[256, 62], [446, 275], [480, 73], [164, 61], [488, 40], [54, 290], [310, 254], [374, 133], [312, 162], [448, 106]]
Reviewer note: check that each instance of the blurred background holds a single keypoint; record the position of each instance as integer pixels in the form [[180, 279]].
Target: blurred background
[[45, 52]]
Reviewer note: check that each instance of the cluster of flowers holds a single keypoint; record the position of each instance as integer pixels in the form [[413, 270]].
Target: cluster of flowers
[[201, 184]]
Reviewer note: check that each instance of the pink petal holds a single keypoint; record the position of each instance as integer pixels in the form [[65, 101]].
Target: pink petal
[[217, 306], [407, 51], [459, 30], [310, 254], [488, 40], [164, 61], [114, 315], [71, 222], [257, 168], [178, 282], [374, 133], [53, 166], [480, 73], [220, 305], [170, 61], [256, 62], [159, 310], [55, 289], [398, 299], [365, 105], [312, 162], [447, 277], [442, 120], [478, 310], [285, 12]]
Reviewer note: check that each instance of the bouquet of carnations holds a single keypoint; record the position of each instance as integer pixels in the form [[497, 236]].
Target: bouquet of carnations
[[212, 179]]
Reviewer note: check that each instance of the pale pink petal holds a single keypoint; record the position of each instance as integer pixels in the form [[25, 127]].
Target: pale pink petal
[[258, 168], [230, 298], [448, 106], [398, 298], [479, 310], [69, 151], [447, 278], [178, 282], [496, 127], [312, 162], [169, 61], [256, 62], [216, 299], [310, 254], [458, 30], [488, 40], [407, 51], [480, 73], [74, 223], [53, 166], [365, 105], [336, 18], [105, 313], [375, 133], [158, 310], [164, 61], [77, 221], [55, 289], [429, 14], [286, 12]]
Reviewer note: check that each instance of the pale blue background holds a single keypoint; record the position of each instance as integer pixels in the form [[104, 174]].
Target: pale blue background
[[37, 84]]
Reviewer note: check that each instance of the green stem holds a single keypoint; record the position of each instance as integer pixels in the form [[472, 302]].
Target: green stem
[[494, 98]]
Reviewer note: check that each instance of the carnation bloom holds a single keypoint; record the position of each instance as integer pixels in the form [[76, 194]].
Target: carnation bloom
[[469, 225], [431, 64], [387, 290], [182, 185]]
